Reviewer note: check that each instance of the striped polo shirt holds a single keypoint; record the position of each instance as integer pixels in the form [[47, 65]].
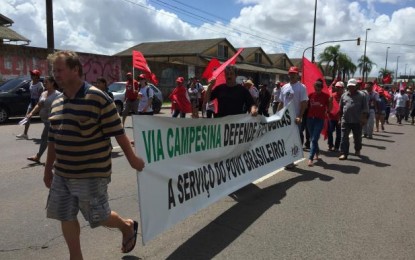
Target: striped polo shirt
[[81, 128]]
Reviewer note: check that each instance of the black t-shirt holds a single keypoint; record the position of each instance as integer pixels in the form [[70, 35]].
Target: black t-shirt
[[232, 100]]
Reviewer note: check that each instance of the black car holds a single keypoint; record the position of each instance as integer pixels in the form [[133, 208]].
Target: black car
[[14, 98]]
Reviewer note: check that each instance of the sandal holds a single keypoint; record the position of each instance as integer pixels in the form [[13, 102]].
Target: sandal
[[34, 159], [132, 239]]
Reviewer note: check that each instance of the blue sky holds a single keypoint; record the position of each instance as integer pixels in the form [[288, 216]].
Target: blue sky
[[278, 26]]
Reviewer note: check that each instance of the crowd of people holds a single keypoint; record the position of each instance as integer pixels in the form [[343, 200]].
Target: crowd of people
[[79, 120]]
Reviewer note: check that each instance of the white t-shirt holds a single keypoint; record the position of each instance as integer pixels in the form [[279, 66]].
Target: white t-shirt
[[199, 88], [144, 99], [401, 99], [276, 94], [35, 90], [295, 93]]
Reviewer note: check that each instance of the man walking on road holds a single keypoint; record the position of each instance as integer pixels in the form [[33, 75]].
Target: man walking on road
[[36, 88], [353, 115], [78, 164], [131, 97], [294, 91]]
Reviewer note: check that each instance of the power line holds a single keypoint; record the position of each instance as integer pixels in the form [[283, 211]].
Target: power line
[[229, 28], [391, 43], [211, 22]]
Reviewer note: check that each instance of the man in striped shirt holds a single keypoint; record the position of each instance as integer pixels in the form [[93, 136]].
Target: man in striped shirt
[[78, 164]]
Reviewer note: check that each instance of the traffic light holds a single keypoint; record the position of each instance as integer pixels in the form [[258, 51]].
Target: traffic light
[[358, 41]]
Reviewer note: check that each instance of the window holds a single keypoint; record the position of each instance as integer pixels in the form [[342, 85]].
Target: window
[[222, 51]]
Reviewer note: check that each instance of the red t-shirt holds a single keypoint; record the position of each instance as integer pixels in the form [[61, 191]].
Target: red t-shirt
[[335, 114], [130, 92], [317, 105]]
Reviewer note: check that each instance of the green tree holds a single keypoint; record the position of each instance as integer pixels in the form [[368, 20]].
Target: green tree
[[383, 72], [365, 70], [336, 62], [346, 66], [330, 57]]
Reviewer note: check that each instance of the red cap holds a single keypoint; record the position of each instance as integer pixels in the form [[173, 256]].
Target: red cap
[[293, 69], [129, 74], [142, 76], [180, 79], [35, 72]]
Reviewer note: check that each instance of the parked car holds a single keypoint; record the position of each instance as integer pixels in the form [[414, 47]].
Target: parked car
[[118, 90], [14, 98]]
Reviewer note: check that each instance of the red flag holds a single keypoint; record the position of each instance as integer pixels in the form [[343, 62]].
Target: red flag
[[219, 73], [154, 79], [139, 62], [376, 87], [387, 79], [179, 100], [310, 75], [212, 66]]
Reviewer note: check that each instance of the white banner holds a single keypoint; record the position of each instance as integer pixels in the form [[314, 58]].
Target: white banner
[[192, 163]]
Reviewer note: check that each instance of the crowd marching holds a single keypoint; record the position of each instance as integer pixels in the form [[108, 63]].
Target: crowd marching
[[79, 120], [332, 112]]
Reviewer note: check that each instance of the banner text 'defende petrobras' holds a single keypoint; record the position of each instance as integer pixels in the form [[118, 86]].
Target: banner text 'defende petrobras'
[[161, 144]]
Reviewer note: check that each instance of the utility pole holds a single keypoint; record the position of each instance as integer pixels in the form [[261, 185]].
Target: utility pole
[[314, 31], [364, 58], [397, 62], [49, 26], [386, 63]]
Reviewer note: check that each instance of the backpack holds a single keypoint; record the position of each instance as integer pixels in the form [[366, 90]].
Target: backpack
[[156, 101]]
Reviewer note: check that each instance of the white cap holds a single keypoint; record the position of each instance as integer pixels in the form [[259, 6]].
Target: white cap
[[339, 84], [352, 82]]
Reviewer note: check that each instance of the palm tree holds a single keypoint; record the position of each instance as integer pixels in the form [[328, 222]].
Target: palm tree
[[368, 68], [383, 72], [336, 62], [330, 58], [346, 66]]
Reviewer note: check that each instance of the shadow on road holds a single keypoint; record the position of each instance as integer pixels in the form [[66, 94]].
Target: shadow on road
[[367, 160], [347, 169], [252, 202], [33, 164], [131, 257], [383, 140], [375, 146], [394, 133]]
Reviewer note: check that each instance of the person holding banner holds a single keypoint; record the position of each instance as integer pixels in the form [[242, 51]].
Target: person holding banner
[[319, 103], [294, 91], [233, 99], [78, 164]]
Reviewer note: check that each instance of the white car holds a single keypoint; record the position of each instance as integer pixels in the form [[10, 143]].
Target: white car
[[118, 90]]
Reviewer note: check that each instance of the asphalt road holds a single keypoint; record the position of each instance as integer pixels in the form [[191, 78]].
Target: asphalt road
[[362, 208]]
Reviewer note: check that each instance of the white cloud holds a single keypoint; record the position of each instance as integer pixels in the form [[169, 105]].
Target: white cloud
[[108, 26]]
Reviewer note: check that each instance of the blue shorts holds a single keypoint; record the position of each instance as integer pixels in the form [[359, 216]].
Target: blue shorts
[[68, 196]]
